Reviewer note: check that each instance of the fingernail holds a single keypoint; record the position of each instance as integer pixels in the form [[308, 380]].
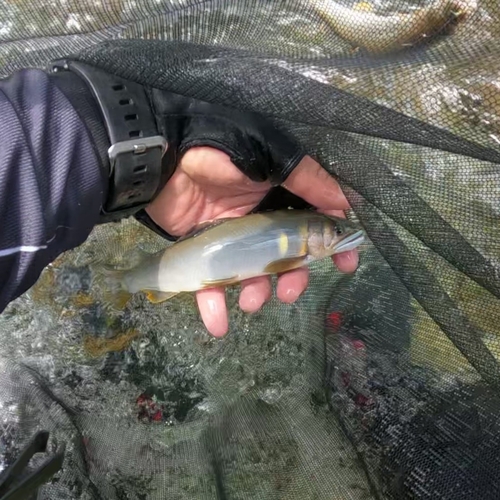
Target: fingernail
[[347, 262], [349, 255], [253, 305], [217, 330], [291, 295]]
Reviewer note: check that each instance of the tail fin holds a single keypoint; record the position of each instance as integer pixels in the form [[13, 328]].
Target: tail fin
[[111, 287]]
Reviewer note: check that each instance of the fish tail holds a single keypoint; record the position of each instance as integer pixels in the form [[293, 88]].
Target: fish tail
[[111, 285]]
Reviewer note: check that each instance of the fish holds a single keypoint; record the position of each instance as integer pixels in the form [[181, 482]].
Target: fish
[[378, 34], [226, 251]]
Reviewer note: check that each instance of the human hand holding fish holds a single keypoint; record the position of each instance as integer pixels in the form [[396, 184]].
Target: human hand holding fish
[[207, 185], [219, 165]]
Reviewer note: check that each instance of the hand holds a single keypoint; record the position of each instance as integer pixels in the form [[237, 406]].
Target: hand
[[207, 185]]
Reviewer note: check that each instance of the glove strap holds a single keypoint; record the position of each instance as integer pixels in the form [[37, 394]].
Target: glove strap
[[136, 154], [143, 217]]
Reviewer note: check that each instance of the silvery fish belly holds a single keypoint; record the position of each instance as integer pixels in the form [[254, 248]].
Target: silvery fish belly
[[228, 251], [236, 249], [219, 260]]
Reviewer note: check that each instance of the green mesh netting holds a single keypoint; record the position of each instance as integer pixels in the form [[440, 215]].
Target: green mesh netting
[[380, 385]]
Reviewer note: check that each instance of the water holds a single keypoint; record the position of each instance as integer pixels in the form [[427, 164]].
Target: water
[[148, 382]]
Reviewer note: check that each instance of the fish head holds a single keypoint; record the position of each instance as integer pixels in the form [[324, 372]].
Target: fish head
[[331, 235]]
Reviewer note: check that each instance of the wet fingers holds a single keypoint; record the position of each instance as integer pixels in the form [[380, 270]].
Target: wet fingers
[[255, 293], [213, 310], [311, 182], [346, 262], [291, 285]]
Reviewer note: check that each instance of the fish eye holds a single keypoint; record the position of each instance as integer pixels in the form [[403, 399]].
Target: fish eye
[[339, 230]]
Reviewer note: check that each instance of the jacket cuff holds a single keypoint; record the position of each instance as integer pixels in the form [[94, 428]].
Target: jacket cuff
[[80, 97]]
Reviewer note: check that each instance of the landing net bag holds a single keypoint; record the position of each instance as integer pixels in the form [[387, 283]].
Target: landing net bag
[[379, 385]]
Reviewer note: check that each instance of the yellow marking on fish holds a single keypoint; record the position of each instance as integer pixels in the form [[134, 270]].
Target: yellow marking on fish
[[304, 237], [363, 6], [156, 297], [283, 244]]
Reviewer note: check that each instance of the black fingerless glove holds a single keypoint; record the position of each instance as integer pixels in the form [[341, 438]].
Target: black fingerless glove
[[149, 130], [257, 148]]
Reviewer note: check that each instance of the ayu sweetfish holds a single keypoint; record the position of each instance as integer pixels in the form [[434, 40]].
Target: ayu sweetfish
[[226, 251], [376, 33]]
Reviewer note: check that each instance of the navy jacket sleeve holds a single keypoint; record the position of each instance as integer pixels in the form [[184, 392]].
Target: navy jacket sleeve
[[51, 178]]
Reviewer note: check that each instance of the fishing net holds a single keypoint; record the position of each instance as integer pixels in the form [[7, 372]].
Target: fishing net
[[383, 384]]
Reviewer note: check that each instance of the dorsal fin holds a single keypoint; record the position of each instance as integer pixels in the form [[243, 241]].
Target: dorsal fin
[[204, 226]]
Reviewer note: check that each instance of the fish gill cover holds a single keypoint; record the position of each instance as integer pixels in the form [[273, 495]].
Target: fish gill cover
[[379, 385]]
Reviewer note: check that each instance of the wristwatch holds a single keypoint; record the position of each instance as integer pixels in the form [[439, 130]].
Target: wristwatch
[[136, 156]]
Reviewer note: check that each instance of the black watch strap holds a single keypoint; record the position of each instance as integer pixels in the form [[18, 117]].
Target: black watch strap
[[137, 151]]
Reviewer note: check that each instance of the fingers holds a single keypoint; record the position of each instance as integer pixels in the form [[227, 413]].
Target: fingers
[[213, 310], [314, 184], [212, 303], [292, 284], [346, 262], [255, 293], [335, 213]]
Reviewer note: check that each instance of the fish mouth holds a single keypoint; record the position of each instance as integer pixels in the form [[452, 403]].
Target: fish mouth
[[350, 242]]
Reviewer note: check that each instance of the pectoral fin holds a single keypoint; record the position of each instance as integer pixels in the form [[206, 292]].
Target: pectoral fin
[[156, 297], [233, 280], [283, 265]]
